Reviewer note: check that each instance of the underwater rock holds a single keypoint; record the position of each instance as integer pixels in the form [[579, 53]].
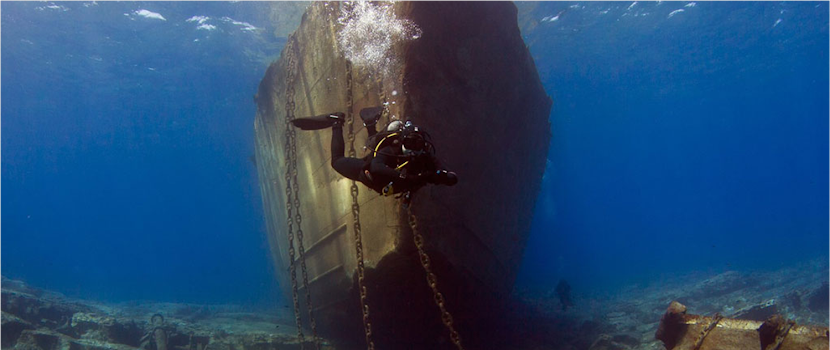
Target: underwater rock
[[11, 328], [42, 339], [106, 328], [19, 286], [75, 325], [39, 311]]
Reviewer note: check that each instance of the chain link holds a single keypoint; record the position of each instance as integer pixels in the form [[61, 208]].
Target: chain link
[[446, 317], [298, 219], [358, 241], [354, 191], [292, 190], [705, 331], [432, 281], [289, 204]]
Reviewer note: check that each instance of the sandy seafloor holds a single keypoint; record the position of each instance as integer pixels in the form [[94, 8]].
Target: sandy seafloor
[[628, 318]]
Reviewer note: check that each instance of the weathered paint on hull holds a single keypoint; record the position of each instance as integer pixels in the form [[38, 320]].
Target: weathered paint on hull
[[471, 83]]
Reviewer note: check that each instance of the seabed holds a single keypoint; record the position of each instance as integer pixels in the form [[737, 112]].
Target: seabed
[[36, 319]]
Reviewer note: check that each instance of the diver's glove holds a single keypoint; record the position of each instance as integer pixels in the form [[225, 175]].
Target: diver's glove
[[444, 177], [337, 119]]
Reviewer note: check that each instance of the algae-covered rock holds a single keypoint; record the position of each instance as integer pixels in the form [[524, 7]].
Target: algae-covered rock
[[39, 310], [89, 325], [11, 328], [107, 328]]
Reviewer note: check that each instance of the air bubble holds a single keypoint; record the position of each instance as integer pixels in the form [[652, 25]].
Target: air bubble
[[369, 32]]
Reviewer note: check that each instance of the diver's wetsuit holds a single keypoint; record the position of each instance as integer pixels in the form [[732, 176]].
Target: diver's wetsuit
[[349, 167], [381, 168]]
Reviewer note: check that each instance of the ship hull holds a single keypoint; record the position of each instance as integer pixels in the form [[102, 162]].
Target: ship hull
[[471, 83]]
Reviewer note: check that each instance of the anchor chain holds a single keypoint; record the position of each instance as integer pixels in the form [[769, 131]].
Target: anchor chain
[[358, 241], [361, 282], [292, 191], [446, 317], [289, 204], [783, 331], [705, 331]]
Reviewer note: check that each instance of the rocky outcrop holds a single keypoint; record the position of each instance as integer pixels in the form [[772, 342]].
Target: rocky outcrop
[[105, 328], [40, 310], [11, 328], [34, 319]]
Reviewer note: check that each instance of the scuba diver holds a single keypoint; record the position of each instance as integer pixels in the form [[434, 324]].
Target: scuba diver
[[401, 160], [563, 290]]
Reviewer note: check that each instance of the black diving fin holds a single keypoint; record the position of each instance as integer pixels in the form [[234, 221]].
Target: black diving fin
[[318, 122], [370, 115]]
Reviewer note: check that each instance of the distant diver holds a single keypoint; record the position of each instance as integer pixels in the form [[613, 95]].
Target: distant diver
[[563, 290], [401, 160]]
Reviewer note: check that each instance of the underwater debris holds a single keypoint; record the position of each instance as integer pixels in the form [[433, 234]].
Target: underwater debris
[[679, 330]]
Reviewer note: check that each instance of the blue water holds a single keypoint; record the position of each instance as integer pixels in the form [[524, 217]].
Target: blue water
[[690, 142], [696, 141], [126, 151]]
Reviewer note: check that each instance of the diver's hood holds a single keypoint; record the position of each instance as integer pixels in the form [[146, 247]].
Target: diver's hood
[[396, 125]]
